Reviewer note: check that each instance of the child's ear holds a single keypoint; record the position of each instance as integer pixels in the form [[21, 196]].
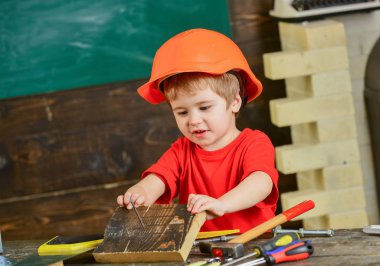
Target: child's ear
[[236, 103]]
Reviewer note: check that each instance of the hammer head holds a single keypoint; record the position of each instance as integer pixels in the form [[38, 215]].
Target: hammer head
[[223, 249]]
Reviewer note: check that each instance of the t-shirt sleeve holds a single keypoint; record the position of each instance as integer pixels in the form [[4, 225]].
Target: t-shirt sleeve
[[167, 168], [260, 156]]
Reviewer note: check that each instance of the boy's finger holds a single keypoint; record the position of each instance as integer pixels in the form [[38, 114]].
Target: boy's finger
[[120, 200], [191, 201], [198, 204], [200, 201], [127, 199], [139, 201], [132, 198]]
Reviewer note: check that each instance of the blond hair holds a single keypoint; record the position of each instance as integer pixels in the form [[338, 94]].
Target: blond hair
[[226, 85]]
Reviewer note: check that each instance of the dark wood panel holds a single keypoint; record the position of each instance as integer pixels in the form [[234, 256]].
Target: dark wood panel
[[93, 137], [76, 110], [70, 213]]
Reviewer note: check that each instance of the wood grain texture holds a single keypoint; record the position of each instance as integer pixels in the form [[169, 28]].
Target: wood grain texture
[[89, 136], [169, 233], [71, 213]]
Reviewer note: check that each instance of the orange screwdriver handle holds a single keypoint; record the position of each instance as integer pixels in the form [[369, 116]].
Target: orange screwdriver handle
[[273, 222]]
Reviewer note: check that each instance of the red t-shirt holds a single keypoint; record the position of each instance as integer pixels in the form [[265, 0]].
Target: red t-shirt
[[186, 168]]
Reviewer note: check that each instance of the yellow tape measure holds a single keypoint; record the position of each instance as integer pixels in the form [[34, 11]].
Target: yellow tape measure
[[69, 245]]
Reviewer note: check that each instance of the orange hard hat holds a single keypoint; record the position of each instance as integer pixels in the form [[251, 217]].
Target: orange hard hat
[[198, 50]]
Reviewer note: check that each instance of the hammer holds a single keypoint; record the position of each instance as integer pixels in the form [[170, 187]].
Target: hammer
[[235, 249]]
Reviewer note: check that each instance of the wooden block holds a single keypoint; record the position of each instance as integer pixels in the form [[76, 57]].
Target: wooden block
[[338, 220], [331, 177], [287, 111], [281, 65], [301, 157], [316, 223], [311, 35], [350, 219], [319, 84], [304, 133], [330, 129], [326, 201], [336, 128], [168, 236]]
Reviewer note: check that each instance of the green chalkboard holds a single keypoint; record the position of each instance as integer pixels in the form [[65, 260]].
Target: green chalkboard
[[50, 45]]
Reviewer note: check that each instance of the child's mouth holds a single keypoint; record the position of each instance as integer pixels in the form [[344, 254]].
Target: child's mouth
[[199, 133]]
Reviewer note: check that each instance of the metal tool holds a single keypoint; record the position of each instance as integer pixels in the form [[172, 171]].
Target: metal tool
[[371, 229], [138, 214], [302, 232], [295, 251], [224, 250], [230, 254], [265, 226], [212, 239], [218, 233]]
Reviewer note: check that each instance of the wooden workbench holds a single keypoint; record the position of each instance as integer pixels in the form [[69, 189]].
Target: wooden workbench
[[346, 247]]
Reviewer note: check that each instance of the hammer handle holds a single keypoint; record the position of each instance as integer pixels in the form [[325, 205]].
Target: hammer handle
[[275, 221]]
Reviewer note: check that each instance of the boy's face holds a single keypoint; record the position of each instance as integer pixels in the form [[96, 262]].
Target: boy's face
[[205, 119]]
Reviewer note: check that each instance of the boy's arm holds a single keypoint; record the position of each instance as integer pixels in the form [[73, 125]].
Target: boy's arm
[[145, 192], [252, 190]]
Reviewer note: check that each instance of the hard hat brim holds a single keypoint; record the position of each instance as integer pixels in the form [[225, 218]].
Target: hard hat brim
[[151, 93]]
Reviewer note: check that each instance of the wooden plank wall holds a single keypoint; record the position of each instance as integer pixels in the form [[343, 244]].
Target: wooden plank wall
[[65, 156]]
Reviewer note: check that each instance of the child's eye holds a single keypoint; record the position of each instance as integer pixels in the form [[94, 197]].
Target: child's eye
[[204, 108], [182, 113]]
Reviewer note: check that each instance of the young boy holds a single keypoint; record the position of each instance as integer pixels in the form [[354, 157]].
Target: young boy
[[215, 167]]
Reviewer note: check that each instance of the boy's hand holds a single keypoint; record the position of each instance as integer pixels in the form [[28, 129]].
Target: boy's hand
[[197, 203], [135, 194], [145, 192]]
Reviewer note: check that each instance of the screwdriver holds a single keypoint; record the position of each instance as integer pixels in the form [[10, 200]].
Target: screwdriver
[[296, 251], [275, 243]]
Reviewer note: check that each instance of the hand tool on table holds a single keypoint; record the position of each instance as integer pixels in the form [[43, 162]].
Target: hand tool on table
[[265, 248], [235, 246], [215, 236], [268, 247], [210, 234], [296, 251], [60, 245], [302, 232], [372, 229], [232, 250], [213, 239]]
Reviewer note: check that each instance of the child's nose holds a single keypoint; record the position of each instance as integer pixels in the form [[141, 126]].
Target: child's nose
[[194, 119]]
